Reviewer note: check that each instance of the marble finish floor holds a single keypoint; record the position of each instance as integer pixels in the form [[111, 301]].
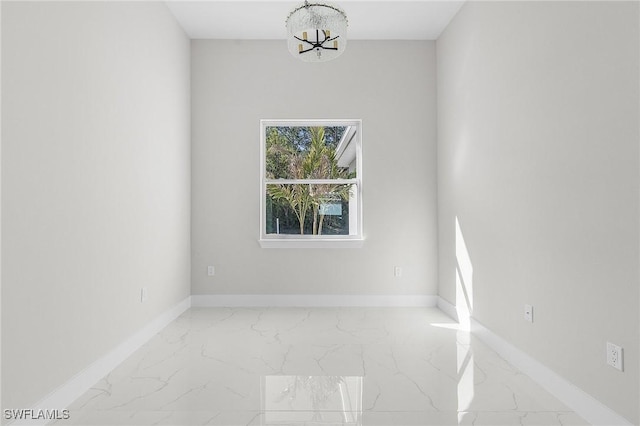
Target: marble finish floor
[[316, 366]]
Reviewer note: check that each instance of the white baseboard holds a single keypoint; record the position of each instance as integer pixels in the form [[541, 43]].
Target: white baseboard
[[447, 308], [75, 387], [312, 300], [575, 398]]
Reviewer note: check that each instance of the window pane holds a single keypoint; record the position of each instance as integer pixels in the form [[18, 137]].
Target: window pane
[[310, 181], [310, 209], [305, 152]]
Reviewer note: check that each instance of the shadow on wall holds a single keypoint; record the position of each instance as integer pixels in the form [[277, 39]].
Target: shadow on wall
[[464, 280]]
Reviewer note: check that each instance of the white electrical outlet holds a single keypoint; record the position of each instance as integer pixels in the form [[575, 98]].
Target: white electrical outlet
[[397, 271], [211, 271], [614, 356], [528, 313], [144, 294]]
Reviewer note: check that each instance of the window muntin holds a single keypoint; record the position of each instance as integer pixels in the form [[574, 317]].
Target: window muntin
[[310, 181]]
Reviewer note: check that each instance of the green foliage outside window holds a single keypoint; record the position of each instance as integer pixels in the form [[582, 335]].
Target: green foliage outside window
[[299, 153]]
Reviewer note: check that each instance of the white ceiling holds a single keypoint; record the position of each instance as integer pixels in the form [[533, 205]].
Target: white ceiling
[[368, 19]]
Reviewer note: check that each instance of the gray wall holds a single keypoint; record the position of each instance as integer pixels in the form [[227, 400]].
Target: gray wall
[[391, 87], [538, 161], [95, 183]]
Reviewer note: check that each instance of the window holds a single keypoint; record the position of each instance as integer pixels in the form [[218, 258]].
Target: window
[[311, 189]]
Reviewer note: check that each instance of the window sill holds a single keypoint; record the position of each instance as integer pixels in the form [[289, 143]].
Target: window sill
[[319, 243]]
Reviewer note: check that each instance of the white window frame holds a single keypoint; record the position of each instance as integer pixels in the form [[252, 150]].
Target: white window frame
[[354, 240]]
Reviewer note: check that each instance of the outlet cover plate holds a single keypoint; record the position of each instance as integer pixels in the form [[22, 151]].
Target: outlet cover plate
[[528, 313], [397, 271], [614, 356]]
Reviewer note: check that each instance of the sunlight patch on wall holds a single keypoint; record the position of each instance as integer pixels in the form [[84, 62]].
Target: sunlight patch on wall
[[464, 279]]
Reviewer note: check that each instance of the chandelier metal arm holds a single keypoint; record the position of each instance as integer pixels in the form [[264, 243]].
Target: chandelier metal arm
[[317, 43], [323, 41], [320, 43], [318, 46]]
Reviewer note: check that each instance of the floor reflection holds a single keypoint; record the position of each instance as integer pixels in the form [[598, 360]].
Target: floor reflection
[[465, 373], [312, 399], [309, 367]]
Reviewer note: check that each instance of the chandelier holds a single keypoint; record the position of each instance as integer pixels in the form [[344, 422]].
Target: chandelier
[[317, 32]]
